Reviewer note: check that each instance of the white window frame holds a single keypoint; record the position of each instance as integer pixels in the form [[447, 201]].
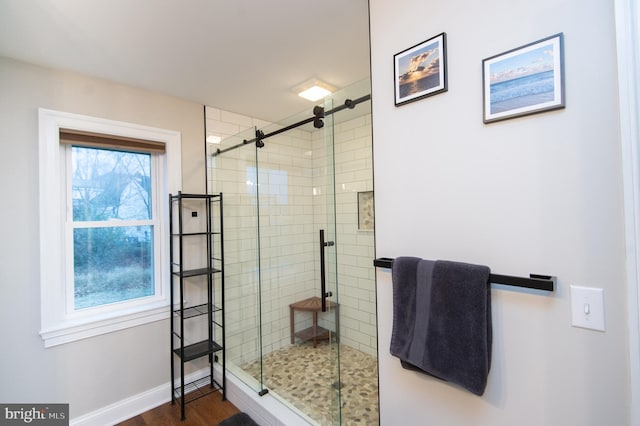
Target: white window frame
[[60, 325]]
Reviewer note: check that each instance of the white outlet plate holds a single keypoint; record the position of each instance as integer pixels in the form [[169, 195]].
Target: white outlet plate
[[587, 307]]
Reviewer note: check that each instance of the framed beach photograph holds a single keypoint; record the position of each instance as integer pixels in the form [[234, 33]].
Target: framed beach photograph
[[365, 210], [421, 70], [525, 80]]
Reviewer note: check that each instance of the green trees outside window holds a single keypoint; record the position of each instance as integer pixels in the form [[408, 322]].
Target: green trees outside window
[[113, 227]]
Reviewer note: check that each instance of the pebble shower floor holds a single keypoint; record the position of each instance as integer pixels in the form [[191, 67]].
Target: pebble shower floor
[[304, 376]]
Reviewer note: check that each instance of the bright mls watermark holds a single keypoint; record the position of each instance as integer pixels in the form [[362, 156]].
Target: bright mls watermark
[[36, 414]]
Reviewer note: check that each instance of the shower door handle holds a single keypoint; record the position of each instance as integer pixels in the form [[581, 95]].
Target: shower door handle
[[323, 286]]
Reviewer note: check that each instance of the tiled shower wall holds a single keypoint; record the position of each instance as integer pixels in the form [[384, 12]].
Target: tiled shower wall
[[292, 168], [227, 173], [288, 272]]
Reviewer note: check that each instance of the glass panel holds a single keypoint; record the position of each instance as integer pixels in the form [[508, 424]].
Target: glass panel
[[302, 181], [112, 264], [355, 290], [234, 173], [334, 412], [110, 185], [292, 192]]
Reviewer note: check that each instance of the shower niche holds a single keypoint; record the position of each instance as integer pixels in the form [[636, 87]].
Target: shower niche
[[292, 235]]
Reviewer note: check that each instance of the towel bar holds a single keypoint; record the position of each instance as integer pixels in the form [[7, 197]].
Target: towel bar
[[535, 281]]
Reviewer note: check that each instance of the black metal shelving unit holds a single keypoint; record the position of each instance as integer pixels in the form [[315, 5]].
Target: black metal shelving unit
[[193, 237]]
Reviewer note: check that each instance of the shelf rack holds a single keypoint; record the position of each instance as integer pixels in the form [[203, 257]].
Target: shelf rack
[[204, 236]]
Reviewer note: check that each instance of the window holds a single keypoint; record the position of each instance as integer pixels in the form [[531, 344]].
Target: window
[[103, 224], [112, 223]]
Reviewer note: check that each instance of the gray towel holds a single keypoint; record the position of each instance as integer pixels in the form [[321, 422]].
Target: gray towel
[[444, 320], [404, 276]]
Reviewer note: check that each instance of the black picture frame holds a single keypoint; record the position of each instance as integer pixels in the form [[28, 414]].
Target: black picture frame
[[421, 70], [523, 81]]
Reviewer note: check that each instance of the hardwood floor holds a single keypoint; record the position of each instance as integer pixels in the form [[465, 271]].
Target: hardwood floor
[[209, 410]]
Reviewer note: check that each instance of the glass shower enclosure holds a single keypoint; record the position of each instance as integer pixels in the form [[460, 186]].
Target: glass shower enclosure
[[300, 288]]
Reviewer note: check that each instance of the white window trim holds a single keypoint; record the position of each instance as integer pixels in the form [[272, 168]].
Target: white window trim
[[57, 327]]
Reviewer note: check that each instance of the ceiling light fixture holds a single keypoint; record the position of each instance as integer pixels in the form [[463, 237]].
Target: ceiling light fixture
[[314, 90]]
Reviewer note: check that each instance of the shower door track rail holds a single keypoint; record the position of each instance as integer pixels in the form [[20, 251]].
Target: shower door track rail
[[318, 112]]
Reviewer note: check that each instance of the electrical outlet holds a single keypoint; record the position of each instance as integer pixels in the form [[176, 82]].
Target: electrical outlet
[[587, 307]]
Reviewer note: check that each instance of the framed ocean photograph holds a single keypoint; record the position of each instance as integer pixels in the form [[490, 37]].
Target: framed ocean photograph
[[421, 70], [525, 80]]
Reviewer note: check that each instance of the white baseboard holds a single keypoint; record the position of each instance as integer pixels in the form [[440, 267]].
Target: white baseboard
[[265, 410], [132, 406], [126, 408]]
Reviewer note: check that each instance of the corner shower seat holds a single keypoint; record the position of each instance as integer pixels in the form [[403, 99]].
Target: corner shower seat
[[315, 332]]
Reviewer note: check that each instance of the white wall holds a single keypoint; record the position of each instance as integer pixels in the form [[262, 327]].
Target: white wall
[[540, 194], [92, 373]]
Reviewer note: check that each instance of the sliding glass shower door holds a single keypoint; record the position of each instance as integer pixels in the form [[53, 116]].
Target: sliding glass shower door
[[298, 264], [300, 283]]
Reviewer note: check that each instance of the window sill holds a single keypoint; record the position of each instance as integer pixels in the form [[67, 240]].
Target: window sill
[[67, 333]]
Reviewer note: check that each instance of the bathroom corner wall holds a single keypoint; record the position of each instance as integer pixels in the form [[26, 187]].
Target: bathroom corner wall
[[120, 364]]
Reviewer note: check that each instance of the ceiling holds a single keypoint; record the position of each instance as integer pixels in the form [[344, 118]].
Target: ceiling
[[243, 56]]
